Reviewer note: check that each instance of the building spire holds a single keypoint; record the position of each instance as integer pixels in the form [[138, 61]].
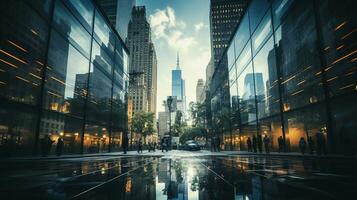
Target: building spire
[[178, 61]]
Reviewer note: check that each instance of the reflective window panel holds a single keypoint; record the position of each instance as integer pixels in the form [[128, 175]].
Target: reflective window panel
[[96, 139], [67, 77]]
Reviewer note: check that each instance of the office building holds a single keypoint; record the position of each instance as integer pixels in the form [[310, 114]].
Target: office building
[[143, 62], [119, 14], [62, 78], [292, 74], [178, 87], [224, 15], [200, 88]]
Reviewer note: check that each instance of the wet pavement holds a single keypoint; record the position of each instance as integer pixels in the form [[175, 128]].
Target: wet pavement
[[179, 175]]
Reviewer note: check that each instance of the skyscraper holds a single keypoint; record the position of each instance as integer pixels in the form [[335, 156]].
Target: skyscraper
[[224, 17], [118, 12], [142, 61], [199, 90], [178, 87]]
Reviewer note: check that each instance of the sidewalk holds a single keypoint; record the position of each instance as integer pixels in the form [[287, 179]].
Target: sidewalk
[[287, 154]]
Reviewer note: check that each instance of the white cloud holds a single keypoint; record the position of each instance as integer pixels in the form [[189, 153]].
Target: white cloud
[[200, 26], [165, 26]]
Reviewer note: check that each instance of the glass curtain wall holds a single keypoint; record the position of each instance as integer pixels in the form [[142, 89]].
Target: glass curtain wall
[[63, 77], [292, 73]]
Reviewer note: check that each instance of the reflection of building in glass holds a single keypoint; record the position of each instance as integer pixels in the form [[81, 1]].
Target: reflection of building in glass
[[118, 12], [69, 93], [288, 84]]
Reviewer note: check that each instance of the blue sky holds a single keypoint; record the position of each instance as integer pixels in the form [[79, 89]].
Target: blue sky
[[179, 26]]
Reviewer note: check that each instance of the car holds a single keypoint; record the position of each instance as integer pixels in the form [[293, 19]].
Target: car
[[191, 145]]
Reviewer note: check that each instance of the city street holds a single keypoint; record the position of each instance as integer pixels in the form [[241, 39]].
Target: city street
[[179, 175]]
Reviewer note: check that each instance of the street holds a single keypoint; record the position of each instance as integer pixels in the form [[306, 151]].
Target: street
[[179, 175]]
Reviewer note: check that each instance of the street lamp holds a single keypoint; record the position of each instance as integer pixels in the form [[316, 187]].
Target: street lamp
[[169, 105]]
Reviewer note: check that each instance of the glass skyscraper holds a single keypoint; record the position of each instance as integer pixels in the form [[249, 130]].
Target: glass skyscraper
[[63, 74], [178, 87], [292, 73]]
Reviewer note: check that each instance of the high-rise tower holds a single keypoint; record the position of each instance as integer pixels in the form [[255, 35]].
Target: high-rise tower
[[143, 62], [178, 86]]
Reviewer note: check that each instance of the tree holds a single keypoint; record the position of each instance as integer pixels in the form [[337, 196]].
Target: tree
[[198, 114], [143, 123], [178, 125]]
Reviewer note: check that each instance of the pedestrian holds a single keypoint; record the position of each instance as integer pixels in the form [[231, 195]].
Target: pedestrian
[[280, 143], [260, 143], [321, 143], [213, 144], [249, 144], [162, 144], [125, 143], [266, 144], [140, 146], [302, 145], [46, 145], [218, 143], [167, 144], [59, 146], [311, 144], [255, 144]]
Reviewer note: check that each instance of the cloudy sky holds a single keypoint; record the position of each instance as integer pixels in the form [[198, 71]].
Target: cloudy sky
[[179, 26]]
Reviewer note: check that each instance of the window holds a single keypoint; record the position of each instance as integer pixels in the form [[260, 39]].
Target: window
[[266, 81], [66, 86], [68, 25]]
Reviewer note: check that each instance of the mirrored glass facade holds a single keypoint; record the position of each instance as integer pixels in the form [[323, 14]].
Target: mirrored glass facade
[[291, 70], [63, 74]]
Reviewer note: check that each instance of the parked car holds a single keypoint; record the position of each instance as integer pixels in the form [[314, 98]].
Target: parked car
[[191, 145]]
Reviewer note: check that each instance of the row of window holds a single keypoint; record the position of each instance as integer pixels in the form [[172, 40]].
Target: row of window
[[71, 70], [283, 83]]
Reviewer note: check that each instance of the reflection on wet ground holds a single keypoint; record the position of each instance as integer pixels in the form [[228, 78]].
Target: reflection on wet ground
[[181, 176]]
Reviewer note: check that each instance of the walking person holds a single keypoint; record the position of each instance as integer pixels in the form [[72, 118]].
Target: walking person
[[125, 144], [255, 144], [280, 143], [260, 143], [311, 144], [59, 146], [321, 143], [213, 144], [167, 144], [140, 146], [302, 145], [266, 144], [218, 143], [162, 144], [249, 144], [46, 145]]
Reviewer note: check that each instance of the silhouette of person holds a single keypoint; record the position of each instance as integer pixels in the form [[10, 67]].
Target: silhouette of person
[[249, 144], [266, 144], [125, 143], [46, 144], [311, 144], [59, 146], [280, 143], [302, 145], [260, 143], [255, 144]]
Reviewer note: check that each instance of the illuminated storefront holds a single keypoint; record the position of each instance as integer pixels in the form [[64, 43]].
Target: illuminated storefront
[[63, 74], [291, 68]]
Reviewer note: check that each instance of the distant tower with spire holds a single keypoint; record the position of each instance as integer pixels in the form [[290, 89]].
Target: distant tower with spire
[[178, 86]]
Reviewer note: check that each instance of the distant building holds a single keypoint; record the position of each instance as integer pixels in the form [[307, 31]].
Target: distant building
[[119, 13], [178, 87], [199, 90]]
